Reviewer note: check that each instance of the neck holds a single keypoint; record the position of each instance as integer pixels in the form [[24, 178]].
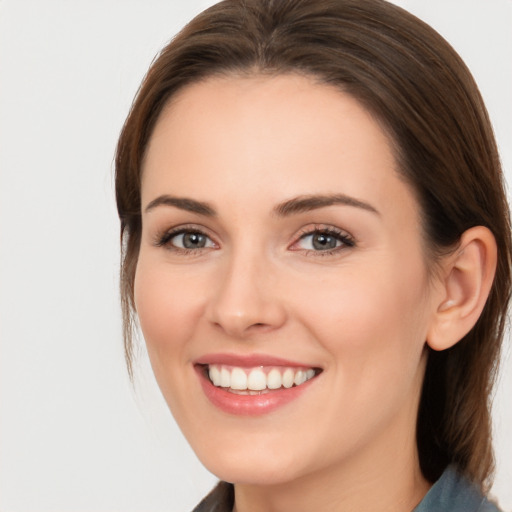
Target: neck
[[387, 477], [393, 491]]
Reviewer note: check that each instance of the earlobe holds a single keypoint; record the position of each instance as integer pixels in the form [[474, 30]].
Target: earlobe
[[468, 277]]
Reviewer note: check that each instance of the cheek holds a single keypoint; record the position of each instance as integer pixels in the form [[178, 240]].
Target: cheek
[[373, 323], [166, 308], [374, 331]]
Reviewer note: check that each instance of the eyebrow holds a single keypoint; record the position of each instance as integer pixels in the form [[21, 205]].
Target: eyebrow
[[183, 203], [303, 204], [293, 206]]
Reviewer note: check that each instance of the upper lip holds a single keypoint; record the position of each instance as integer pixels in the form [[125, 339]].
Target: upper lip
[[249, 361]]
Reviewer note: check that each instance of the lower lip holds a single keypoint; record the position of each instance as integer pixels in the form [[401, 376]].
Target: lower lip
[[250, 405]]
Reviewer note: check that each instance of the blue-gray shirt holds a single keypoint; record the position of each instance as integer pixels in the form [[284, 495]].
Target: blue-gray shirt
[[454, 493], [451, 493]]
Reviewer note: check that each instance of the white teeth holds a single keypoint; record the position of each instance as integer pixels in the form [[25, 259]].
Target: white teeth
[[274, 380], [257, 379], [225, 378], [215, 375], [300, 378], [238, 379], [288, 378]]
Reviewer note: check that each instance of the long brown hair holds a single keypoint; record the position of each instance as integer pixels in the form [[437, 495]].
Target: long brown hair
[[419, 89]]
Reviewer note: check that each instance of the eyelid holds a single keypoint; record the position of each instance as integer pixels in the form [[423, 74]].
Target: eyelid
[[347, 240], [163, 237]]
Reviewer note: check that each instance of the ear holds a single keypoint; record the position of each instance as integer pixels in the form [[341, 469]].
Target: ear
[[468, 274]]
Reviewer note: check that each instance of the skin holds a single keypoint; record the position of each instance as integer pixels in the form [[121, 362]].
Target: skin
[[361, 313]]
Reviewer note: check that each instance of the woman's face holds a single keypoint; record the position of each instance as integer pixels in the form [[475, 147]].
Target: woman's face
[[280, 245]]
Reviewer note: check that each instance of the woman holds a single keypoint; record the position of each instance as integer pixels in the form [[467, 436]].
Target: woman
[[316, 243]]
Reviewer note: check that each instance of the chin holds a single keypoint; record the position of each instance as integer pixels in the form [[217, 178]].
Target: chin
[[252, 472], [245, 459]]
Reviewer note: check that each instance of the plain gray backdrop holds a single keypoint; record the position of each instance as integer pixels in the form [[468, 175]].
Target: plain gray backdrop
[[75, 437]]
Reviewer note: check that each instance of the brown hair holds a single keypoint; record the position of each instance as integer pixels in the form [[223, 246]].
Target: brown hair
[[417, 86]]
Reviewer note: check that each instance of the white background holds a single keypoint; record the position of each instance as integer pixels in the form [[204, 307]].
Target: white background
[[74, 435]]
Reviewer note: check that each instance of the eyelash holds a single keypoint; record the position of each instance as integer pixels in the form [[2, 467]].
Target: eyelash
[[346, 240], [164, 239]]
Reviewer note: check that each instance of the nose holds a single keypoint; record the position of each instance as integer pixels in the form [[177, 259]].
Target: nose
[[246, 297]]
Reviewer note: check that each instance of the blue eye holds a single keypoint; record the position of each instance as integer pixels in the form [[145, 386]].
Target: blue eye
[[324, 240], [186, 240]]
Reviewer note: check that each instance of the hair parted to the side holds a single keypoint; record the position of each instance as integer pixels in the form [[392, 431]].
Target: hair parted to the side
[[419, 89]]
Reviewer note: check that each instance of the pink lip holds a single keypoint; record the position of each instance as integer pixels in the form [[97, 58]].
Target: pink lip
[[248, 405], [248, 361]]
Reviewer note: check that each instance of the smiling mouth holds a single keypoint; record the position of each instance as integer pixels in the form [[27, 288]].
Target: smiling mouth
[[258, 380]]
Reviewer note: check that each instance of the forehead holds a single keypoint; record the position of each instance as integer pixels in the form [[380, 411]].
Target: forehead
[[225, 138]]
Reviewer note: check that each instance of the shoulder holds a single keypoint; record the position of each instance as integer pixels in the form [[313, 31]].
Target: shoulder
[[451, 493], [455, 493]]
